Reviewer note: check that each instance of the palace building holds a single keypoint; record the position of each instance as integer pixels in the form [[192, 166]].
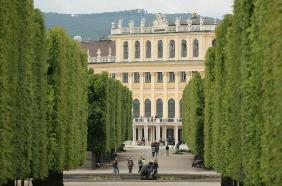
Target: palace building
[[156, 63]]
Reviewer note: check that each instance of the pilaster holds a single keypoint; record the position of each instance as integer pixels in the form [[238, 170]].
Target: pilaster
[[153, 100], [176, 95], [142, 94], [165, 92]]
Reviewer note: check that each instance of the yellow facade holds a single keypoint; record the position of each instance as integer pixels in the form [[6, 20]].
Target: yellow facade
[[172, 70]]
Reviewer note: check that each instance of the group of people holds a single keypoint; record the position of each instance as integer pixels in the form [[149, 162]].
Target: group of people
[[146, 171], [157, 148], [150, 170]]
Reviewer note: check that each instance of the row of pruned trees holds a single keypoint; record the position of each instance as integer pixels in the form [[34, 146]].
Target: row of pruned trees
[[43, 97], [242, 114], [193, 115], [110, 115]]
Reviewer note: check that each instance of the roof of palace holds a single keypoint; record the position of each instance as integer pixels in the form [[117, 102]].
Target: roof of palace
[[103, 45]]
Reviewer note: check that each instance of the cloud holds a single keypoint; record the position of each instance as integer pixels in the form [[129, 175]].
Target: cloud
[[215, 8]]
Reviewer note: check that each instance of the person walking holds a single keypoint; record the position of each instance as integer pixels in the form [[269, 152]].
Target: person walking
[[153, 147], [115, 166], [140, 164], [157, 148], [130, 165], [167, 150]]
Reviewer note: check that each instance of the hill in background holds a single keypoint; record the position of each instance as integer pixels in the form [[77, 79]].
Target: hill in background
[[96, 26]]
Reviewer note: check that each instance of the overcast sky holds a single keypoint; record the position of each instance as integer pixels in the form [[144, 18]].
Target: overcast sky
[[213, 8]]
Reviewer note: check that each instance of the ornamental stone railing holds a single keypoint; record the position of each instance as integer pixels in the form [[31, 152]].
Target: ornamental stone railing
[[109, 59], [169, 29], [157, 120]]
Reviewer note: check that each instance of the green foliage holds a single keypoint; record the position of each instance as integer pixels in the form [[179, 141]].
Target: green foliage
[[98, 118], [219, 70], [268, 19], [67, 93], [42, 114], [209, 104], [8, 39], [193, 124], [109, 119], [39, 86], [22, 125], [243, 96]]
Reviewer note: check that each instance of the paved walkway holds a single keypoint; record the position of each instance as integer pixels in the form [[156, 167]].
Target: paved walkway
[[174, 163]]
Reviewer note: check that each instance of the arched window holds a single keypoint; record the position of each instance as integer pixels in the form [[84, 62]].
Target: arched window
[[137, 50], [172, 49], [183, 48], [180, 108], [148, 49], [171, 108], [159, 108], [147, 108], [125, 50], [195, 48], [136, 108], [160, 49], [213, 42]]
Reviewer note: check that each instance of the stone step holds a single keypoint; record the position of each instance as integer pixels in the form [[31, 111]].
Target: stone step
[[110, 177]]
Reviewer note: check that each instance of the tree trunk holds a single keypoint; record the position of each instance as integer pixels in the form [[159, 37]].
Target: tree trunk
[[102, 157], [22, 182], [226, 181], [94, 160], [53, 179], [10, 183]]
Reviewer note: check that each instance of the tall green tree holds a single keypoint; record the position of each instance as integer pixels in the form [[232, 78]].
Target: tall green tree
[[109, 119], [98, 117], [39, 161], [8, 79], [22, 126], [209, 104], [268, 19], [194, 120], [67, 95], [219, 70]]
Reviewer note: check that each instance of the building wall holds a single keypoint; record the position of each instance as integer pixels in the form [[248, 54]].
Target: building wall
[[153, 90], [205, 41], [154, 129]]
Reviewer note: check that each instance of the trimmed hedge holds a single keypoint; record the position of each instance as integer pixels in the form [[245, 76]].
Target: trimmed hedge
[[243, 120]]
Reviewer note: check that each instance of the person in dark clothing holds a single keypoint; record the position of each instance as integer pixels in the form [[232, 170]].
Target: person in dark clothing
[[167, 150], [157, 148], [145, 172], [153, 147], [115, 166], [130, 165]]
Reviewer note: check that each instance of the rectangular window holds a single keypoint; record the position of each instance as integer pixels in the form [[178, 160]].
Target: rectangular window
[[136, 77], [182, 76], [113, 75], [125, 77], [171, 77], [147, 77], [159, 77]]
